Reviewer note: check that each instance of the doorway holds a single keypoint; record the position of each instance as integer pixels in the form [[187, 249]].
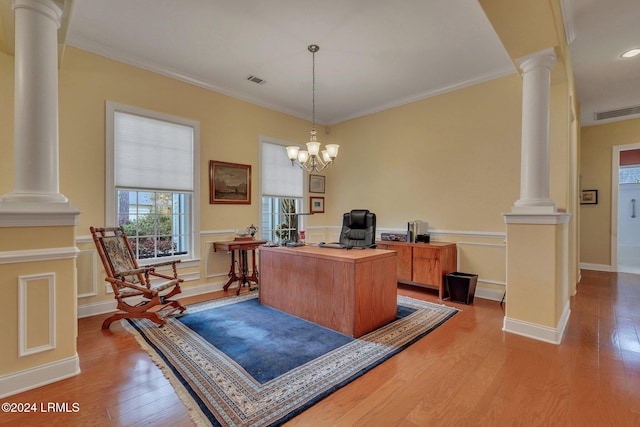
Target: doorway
[[625, 208]]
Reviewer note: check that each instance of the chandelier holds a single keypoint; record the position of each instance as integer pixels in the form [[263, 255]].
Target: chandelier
[[312, 159]]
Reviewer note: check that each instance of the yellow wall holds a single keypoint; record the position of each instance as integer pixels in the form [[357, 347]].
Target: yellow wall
[[229, 131], [452, 160], [597, 144], [229, 128]]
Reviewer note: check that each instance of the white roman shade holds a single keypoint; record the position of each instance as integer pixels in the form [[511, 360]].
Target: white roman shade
[[279, 177], [152, 154]]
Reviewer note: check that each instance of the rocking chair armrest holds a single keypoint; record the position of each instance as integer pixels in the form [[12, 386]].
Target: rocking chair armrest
[[164, 276], [146, 268], [142, 289], [152, 269]]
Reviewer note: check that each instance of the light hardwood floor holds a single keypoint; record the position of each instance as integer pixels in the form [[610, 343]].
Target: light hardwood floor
[[466, 373]]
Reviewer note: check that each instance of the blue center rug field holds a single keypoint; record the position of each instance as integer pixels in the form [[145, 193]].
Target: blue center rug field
[[235, 362]]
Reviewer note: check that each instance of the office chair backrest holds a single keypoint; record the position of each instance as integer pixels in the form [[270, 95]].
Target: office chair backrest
[[358, 229]]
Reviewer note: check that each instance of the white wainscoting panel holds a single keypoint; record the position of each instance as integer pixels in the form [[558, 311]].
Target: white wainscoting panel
[[32, 290], [87, 266]]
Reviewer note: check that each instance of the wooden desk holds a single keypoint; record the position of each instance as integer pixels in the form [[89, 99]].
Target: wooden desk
[[349, 291], [242, 246]]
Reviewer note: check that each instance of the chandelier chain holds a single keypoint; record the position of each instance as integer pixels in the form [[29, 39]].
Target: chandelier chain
[[313, 89]]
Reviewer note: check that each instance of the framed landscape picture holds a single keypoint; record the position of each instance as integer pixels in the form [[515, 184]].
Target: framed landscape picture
[[316, 204], [229, 183]]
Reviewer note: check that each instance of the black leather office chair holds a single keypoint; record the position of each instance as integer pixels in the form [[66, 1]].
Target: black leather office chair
[[358, 229]]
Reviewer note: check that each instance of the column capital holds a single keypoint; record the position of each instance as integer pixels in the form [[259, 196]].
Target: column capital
[[542, 59], [48, 8]]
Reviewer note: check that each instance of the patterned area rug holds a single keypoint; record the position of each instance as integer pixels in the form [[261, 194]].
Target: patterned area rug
[[220, 392]]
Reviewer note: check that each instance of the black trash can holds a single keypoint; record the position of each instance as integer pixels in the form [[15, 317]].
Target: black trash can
[[462, 287]]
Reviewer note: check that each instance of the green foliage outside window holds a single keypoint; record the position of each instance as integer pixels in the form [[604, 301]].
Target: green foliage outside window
[[150, 235], [287, 206]]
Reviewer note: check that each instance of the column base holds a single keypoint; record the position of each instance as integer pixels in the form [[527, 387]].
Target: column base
[[528, 217], [37, 209], [537, 275], [543, 206], [552, 335]]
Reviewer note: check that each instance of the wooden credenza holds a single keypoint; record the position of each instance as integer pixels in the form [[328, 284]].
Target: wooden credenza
[[424, 264]]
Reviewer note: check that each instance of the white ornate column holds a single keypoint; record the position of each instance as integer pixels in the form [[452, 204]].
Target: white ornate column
[[534, 175], [36, 168], [537, 235]]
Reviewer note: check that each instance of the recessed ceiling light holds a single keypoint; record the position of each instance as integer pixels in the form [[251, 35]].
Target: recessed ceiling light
[[631, 53]]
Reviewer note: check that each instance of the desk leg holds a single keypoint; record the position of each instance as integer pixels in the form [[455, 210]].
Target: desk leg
[[254, 273], [232, 272]]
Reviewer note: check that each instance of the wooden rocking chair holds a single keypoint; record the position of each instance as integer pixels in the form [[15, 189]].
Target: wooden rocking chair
[[130, 281]]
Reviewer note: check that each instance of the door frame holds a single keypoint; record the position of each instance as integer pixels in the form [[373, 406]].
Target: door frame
[[615, 187]]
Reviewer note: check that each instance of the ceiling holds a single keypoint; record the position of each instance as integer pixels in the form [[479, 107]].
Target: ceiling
[[603, 30], [374, 54]]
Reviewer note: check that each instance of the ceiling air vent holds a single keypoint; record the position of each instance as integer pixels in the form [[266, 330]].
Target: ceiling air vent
[[629, 111], [255, 79]]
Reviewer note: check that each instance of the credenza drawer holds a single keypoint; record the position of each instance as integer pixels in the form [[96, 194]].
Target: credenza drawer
[[424, 264], [426, 253]]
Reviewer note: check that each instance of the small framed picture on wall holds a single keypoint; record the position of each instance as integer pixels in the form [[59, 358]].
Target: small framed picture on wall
[[316, 204], [589, 197]]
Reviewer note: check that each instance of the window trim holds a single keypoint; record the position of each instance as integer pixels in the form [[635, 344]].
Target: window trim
[[110, 201], [269, 140]]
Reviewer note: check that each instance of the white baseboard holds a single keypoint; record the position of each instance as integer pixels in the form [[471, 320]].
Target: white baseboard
[[488, 293], [31, 378], [94, 309], [596, 267], [539, 332]]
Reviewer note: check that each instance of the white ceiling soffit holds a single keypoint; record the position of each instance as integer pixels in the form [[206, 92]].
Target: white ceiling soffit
[[608, 86], [374, 54]]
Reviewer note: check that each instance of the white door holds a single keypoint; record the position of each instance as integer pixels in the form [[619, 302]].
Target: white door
[[628, 209]]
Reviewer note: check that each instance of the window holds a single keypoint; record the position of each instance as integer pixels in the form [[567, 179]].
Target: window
[[282, 189], [152, 181], [629, 174]]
